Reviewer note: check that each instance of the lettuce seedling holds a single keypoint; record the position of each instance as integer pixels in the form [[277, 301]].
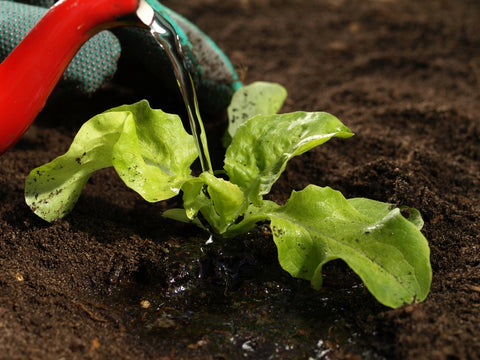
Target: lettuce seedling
[[152, 153]]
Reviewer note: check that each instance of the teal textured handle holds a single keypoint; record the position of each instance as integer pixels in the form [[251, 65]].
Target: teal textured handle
[[95, 63]]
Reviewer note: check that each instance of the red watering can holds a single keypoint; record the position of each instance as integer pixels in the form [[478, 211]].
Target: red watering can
[[29, 74]]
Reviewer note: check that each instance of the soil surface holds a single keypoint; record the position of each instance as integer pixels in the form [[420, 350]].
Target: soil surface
[[114, 280]]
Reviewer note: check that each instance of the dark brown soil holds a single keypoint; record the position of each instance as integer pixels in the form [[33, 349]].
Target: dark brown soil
[[403, 75]]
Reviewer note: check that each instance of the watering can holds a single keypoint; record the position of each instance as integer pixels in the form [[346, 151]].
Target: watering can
[[31, 71]]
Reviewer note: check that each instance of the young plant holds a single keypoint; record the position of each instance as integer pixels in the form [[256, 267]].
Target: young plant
[[152, 153]]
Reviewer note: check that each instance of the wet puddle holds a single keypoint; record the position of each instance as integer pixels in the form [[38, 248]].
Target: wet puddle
[[214, 302]]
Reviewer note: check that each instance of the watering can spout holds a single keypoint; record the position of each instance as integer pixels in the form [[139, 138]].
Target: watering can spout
[[30, 73]]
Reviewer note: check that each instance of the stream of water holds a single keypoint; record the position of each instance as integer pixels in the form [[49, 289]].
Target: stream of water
[[168, 39]]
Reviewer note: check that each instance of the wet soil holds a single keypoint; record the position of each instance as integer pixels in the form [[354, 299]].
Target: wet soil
[[114, 280]]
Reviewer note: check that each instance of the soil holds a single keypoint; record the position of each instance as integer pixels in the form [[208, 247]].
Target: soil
[[114, 280]]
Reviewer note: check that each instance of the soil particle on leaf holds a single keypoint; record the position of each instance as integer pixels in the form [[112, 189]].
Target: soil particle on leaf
[[403, 75]]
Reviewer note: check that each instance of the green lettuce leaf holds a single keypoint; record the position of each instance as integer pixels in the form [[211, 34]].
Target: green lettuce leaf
[[386, 250], [261, 148], [52, 190], [154, 153], [227, 199], [219, 201], [258, 98], [150, 150]]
